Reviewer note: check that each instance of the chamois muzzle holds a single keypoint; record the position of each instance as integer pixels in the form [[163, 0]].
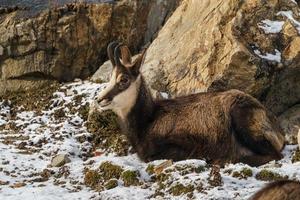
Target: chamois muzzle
[[103, 102]]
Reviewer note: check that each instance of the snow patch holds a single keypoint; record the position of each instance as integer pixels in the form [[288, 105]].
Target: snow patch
[[164, 95], [268, 56], [271, 26]]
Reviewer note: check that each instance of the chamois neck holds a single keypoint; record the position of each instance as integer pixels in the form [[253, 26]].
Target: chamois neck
[[140, 115]]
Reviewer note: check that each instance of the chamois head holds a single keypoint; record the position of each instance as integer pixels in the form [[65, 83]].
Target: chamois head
[[122, 90]]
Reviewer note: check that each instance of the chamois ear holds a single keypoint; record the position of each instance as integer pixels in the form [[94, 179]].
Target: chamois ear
[[125, 56], [138, 62], [110, 52], [122, 58]]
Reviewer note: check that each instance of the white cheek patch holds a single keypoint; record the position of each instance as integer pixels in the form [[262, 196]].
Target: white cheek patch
[[123, 102]]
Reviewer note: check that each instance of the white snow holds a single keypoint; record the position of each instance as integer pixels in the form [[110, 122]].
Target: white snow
[[48, 136], [294, 2], [164, 95], [271, 26], [268, 56], [289, 14]]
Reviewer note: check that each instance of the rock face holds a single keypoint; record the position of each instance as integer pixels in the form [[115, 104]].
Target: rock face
[[70, 41], [103, 73], [218, 45]]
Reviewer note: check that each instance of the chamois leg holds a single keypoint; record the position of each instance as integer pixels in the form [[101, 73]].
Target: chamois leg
[[258, 131], [257, 160]]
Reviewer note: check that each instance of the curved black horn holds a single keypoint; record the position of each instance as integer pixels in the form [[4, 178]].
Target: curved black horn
[[117, 55], [110, 52]]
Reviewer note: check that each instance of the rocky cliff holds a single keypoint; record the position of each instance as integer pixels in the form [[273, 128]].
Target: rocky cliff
[[66, 41]]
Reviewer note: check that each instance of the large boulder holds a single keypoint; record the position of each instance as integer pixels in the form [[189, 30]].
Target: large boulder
[[217, 45], [67, 41]]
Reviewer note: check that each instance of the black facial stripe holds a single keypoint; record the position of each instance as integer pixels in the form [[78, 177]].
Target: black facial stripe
[[114, 92]]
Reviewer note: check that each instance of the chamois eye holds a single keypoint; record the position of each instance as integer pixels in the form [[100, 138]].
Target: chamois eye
[[124, 81]]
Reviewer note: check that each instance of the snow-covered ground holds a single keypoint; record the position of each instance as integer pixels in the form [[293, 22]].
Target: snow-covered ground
[[29, 141]]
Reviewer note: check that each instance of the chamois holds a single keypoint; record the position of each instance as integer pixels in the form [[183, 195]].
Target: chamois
[[279, 190], [220, 127]]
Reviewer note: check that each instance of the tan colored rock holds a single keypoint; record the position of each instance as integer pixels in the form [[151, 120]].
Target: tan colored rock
[[292, 50], [70, 41], [57, 44], [59, 160], [218, 45], [190, 51], [22, 85], [289, 30], [18, 185], [162, 166], [103, 73]]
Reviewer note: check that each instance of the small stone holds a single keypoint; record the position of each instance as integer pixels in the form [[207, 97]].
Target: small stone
[[18, 185], [59, 160], [6, 162], [4, 182], [159, 168]]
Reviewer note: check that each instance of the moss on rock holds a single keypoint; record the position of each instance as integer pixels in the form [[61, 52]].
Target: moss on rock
[[180, 189], [105, 176], [266, 175], [296, 156], [109, 171], [150, 169], [93, 179], [243, 174], [106, 133], [31, 100], [130, 178], [187, 169], [162, 177]]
